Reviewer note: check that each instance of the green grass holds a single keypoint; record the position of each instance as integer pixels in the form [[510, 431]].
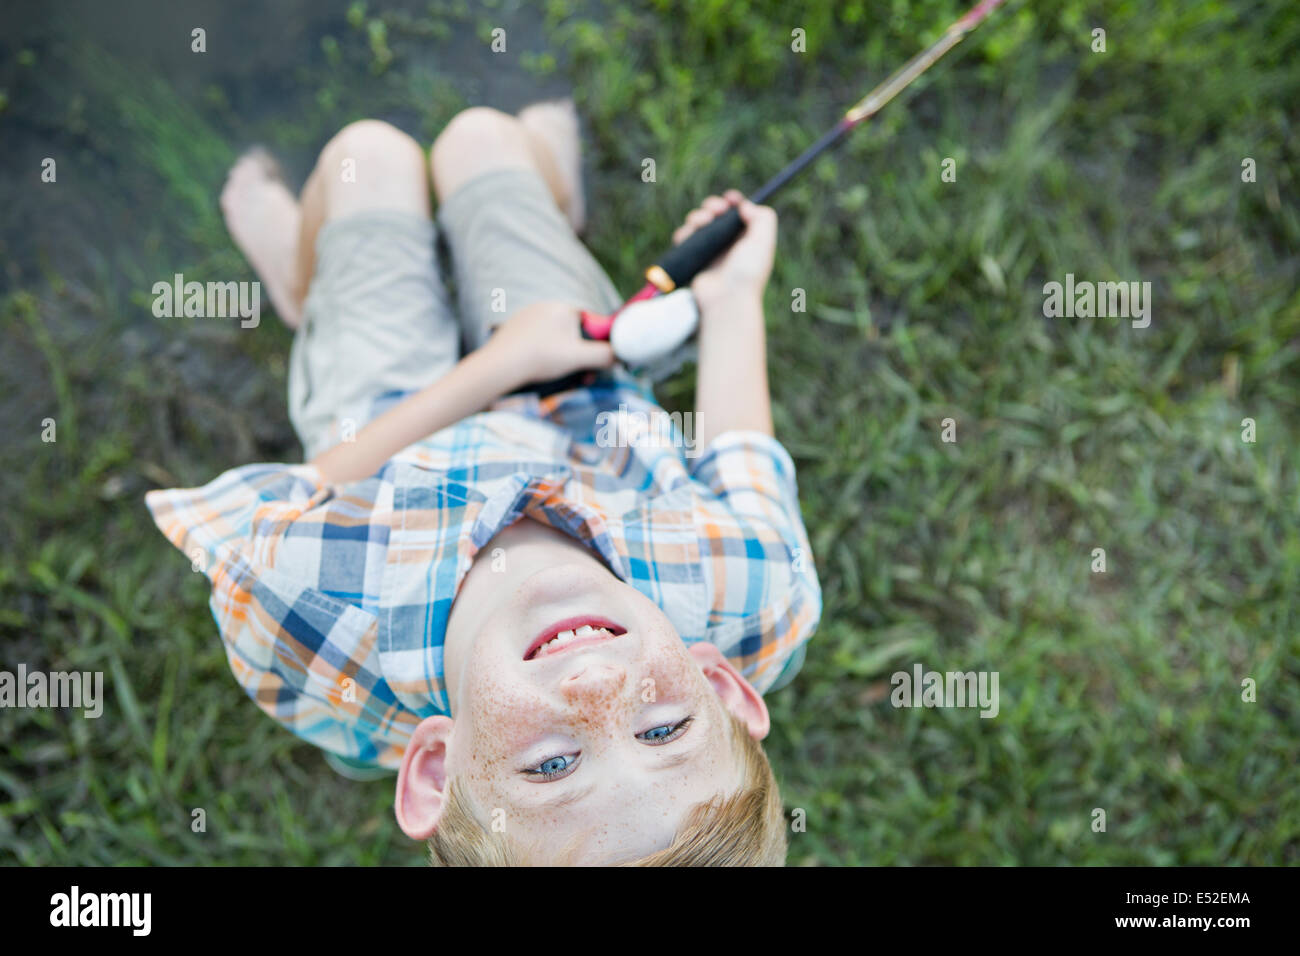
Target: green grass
[[1119, 691]]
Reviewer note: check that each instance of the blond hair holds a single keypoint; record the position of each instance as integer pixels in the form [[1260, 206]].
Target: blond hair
[[746, 828]]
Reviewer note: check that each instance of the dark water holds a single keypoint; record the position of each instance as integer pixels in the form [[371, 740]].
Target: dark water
[[142, 129], [259, 78]]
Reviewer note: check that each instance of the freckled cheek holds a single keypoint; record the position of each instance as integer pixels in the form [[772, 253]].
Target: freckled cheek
[[506, 711], [672, 670]]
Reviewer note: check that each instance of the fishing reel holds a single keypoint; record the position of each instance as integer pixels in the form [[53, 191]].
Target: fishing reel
[[655, 323], [663, 315], [649, 330]]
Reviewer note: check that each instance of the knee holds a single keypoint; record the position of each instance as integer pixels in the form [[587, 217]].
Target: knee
[[476, 139], [375, 145], [369, 165], [476, 128]]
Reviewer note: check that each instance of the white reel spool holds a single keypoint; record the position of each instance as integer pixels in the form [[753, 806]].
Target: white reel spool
[[651, 329]]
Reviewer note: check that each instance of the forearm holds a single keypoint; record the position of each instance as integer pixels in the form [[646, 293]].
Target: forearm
[[731, 390], [478, 379]]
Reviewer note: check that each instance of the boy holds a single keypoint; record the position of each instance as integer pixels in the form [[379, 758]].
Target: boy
[[558, 641]]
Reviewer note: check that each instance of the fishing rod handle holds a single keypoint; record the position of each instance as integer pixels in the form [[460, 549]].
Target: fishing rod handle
[[684, 262]]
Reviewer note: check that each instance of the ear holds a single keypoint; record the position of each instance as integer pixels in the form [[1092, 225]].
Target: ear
[[737, 694], [422, 780]]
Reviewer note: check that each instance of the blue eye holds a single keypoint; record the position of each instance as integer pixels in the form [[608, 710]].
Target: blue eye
[[665, 733], [553, 767]]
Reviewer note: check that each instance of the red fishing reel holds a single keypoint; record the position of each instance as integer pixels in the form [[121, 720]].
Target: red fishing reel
[[663, 315]]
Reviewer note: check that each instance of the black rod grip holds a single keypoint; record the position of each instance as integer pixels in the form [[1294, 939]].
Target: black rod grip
[[684, 262]]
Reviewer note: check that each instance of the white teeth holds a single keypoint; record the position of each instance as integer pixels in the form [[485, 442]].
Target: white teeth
[[561, 638], [564, 637]]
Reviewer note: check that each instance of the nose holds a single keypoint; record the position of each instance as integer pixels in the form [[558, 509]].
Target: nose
[[594, 681]]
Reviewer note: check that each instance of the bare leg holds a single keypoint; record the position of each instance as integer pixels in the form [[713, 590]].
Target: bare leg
[[263, 219], [553, 134], [367, 165], [544, 137]]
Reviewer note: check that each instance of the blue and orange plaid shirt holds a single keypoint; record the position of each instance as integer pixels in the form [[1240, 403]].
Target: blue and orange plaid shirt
[[332, 600]]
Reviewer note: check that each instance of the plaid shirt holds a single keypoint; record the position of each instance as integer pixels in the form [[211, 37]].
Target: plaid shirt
[[332, 600]]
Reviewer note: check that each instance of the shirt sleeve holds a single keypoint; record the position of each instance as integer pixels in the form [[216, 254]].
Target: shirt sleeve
[[306, 657], [765, 600]]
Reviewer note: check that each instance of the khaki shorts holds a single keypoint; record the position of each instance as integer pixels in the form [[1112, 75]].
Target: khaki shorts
[[379, 319]]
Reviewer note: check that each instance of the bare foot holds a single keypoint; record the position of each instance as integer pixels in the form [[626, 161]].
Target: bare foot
[[555, 124], [263, 218]]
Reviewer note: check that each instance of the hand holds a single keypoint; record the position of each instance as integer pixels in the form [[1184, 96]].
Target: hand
[[744, 268], [543, 341]]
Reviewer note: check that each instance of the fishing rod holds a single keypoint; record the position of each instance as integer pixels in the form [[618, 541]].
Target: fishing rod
[[662, 314]]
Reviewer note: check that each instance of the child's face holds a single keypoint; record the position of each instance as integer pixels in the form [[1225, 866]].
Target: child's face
[[611, 741]]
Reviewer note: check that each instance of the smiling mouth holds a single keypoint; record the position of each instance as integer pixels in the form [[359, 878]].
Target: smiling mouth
[[570, 633]]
